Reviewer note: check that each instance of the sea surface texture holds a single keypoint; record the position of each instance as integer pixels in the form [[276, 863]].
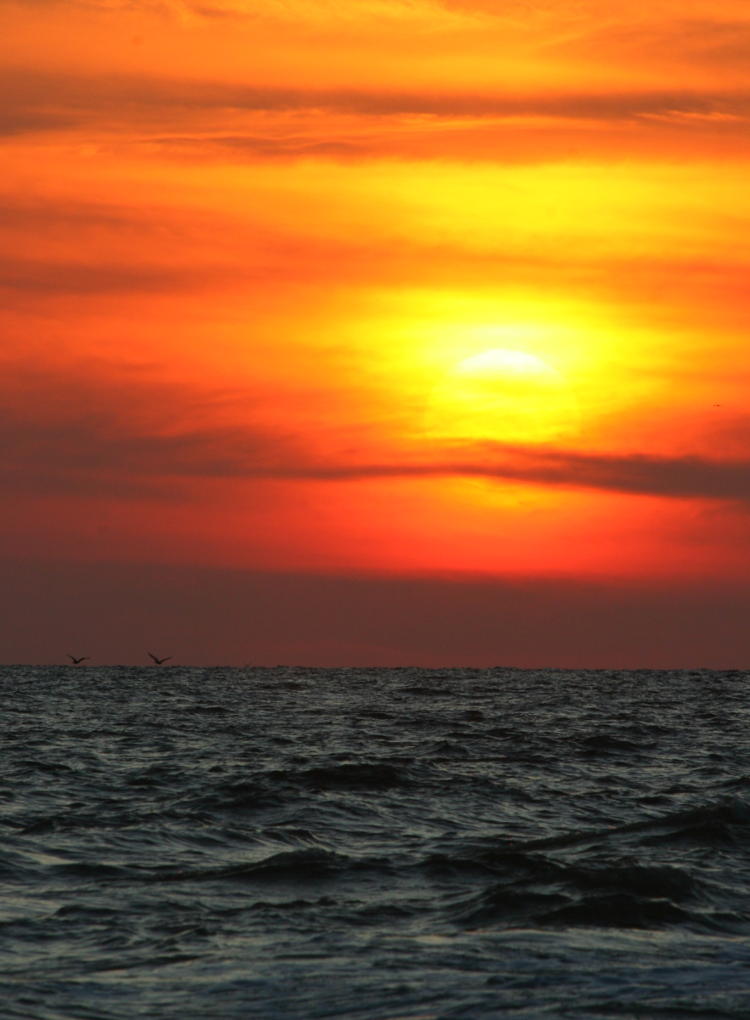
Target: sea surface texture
[[374, 844]]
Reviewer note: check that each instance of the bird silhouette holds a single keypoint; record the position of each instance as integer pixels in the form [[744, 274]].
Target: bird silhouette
[[76, 661], [159, 661]]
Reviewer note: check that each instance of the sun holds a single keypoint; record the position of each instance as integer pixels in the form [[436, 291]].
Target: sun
[[503, 361], [505, 394]]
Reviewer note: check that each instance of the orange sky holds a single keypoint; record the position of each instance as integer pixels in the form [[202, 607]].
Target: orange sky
[[391, 288]]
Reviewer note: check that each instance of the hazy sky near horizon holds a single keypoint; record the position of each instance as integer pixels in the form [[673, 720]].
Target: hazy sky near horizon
[[356, 315]]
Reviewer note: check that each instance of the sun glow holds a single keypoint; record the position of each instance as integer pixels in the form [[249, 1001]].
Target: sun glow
[[456, 366], [502, 394]]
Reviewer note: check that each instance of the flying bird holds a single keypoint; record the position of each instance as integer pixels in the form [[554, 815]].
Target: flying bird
[[159, 661], [76, 661]]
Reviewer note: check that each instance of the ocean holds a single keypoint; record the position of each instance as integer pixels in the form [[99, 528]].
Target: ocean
[[374, 844]]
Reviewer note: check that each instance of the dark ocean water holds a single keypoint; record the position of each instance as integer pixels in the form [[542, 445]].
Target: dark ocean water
[[374, 844]]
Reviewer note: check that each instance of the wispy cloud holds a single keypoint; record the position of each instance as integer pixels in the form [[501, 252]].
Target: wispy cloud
[[49, 279], [122, 430], [312, 12], [45, 101], [84, 427], [707, 40], [20, 122], [630, 473]]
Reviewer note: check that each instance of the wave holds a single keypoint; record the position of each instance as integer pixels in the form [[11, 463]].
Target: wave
[[620, 910], [297, 866], [598, 744], [724, 820], [590, 886], [373, 776], [543, 892]]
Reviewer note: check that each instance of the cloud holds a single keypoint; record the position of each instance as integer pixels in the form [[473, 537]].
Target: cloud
[[629, 473], [633, 473], [80, 430], [83, 428], [21, 122], [711, 41], [48, 278], [266, 147], [110, 100], [67, 247], [431, 15], [193, 121]]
